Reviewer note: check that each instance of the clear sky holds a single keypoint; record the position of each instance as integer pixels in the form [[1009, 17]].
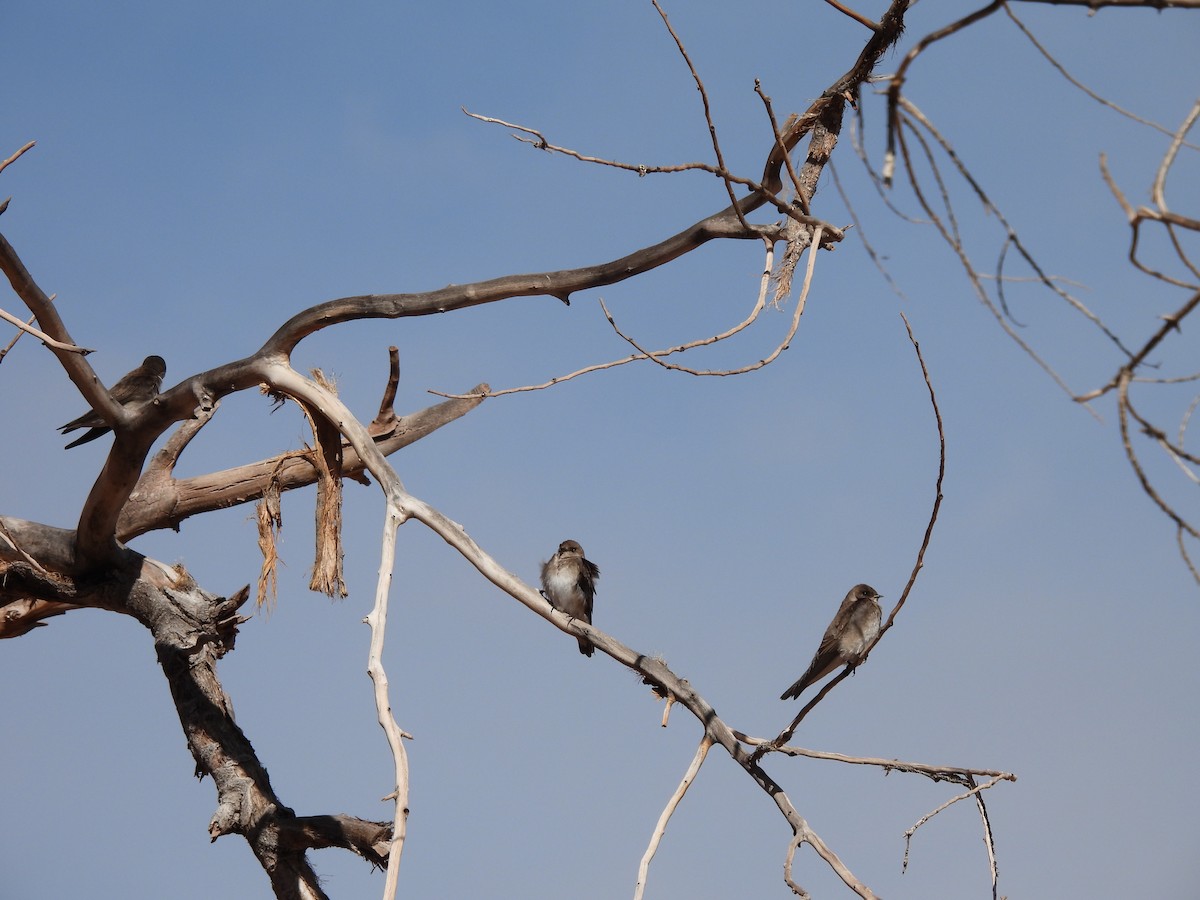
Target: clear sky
[[203, 171]]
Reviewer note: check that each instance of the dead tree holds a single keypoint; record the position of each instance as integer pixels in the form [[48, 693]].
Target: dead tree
[[47, 572]]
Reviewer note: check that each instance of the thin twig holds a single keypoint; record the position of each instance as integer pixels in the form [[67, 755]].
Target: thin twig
[[787, 869], [856, 16], [882, 182], [1135, 219], [1187, 559], [656, 355], [652, 355], [712, 128], [989, 840], [799, 198], [935, 772], [660, 828], [1076, 82], [12, 159], [377, 620], [1187, 416], [991, 207], [1123, 414], [801, 301], [1093, 5], [1125, 373], [867, 245], [16, 337], [542, 143], [908, 835], [969, 268], [280, 376], [787, 733], [897, 80], [41, 335], [937, 500], [756, 189]]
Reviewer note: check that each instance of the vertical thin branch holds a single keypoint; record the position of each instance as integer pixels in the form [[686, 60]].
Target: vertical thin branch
[[712, 129], [787, 869], [897, 82], [800, 199], [786, 735], [1187, 559], [976, 791], [1158, 191], [988, 840], [937, 498], [322, 401], [377, 620], [661, 828]]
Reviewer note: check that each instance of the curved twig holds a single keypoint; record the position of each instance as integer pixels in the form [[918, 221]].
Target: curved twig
[[1061, 69], [975, 790], [786, 734], [654, 356]]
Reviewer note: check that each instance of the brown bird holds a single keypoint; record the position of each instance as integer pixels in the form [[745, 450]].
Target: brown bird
[[138, 386], [846, 639], [569, 583]]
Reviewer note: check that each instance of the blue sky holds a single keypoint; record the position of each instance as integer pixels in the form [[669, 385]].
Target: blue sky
[[203, 172]]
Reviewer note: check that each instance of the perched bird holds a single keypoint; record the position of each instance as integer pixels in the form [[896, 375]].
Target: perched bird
[[569, 583], [138, 386], [847, 637]]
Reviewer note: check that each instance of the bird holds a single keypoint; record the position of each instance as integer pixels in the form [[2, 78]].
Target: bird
[[851, 632], [569, 583], [138, 386]]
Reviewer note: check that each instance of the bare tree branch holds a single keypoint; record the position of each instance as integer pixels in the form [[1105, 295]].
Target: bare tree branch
[[41, 336], [1061, 69], [712, 129], [786, 735], [1094, 5], [973, 792], [655, 356], [856, 16], [192, 629], [4, 164], [660, 829]]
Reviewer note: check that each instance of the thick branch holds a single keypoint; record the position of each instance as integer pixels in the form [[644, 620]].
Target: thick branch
[[64, 346], [561, 284], [137, 430], [368, 839], [191, 629], [161, 501]]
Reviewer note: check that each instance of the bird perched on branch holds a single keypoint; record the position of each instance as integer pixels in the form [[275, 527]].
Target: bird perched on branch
[[848, 636], [138, 386], [569, 583]]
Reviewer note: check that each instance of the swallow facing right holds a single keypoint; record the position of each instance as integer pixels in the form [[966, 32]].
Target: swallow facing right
[[846, 639], [138, 386]]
